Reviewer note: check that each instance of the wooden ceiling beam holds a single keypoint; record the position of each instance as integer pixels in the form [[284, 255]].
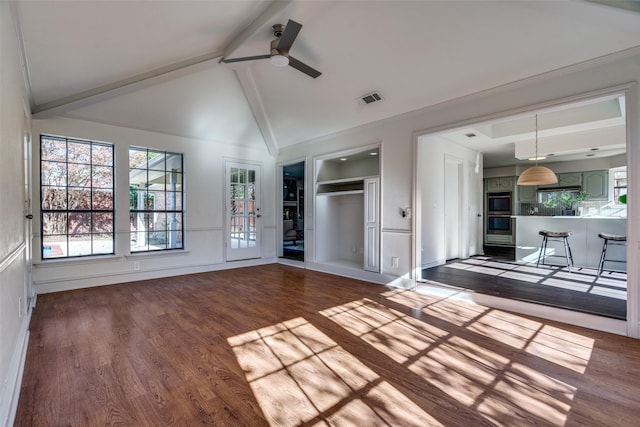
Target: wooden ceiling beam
[[100, 93], [261, 20]]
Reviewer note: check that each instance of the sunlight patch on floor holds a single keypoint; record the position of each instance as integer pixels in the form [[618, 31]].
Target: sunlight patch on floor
[[564, 348], [584, 280], [608, 292], [399, 336], [524, 277], [567, 284], [438, 302], [323, 382], [479, 376]]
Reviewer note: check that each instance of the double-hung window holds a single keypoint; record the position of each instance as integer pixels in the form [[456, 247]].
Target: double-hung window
[[155, 200], [76, 197]]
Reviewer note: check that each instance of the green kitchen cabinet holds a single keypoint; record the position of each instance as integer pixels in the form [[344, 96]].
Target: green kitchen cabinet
[[503, 183], [596, 184], [527, 194]]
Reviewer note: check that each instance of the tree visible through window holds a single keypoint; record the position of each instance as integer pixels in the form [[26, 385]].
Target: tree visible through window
[[155, 200], [76, 197], [619, 183]]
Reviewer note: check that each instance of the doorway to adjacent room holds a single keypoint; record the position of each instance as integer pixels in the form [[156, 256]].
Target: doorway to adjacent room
[[293, 211]]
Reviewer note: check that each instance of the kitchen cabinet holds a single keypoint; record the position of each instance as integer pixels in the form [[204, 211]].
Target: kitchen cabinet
[[503, 183], [571, 179], [596, 184], [567, 179], [527, 193]]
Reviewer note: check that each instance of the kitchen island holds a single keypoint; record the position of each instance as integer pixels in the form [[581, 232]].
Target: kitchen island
[[586, 246]]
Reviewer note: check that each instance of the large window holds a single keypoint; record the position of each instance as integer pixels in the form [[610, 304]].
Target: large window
[[76, 197], [155, 200]]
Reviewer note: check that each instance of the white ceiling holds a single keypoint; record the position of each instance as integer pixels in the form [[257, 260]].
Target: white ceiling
[[585, 129], [105, 61]]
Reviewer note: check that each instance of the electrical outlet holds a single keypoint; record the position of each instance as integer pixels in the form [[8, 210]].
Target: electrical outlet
[[19, 306], [394, 262], [136, 266]]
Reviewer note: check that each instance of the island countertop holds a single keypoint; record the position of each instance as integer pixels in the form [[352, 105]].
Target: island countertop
[[586, 246]]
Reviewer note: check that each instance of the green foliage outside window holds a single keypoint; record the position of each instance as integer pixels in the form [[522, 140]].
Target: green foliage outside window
[[565, 199]]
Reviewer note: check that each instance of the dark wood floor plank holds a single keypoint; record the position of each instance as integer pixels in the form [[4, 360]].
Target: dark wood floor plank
[[276, 345], [506, 279]]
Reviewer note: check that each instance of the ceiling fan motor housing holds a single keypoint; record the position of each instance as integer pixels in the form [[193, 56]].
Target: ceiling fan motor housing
[[274, 48], [278, 29]]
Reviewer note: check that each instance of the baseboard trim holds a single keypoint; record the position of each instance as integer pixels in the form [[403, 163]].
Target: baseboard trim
[[433, 263], [89, 281], [292, 262], [367, 276], [11, 392]]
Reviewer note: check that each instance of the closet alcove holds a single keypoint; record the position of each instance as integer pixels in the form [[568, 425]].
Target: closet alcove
[[347, 209]]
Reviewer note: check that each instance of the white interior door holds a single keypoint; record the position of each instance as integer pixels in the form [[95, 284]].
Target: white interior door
[[372, 224], [243, 228], [452, 207]]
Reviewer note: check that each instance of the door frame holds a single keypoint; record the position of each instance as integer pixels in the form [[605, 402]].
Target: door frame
[[27, 166], [630, 91], [280, 202]]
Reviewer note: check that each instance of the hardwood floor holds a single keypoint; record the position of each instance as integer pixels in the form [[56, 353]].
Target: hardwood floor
[[281, 346], [580, 289]]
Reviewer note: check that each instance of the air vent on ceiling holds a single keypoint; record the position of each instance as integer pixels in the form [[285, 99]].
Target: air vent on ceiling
[[369, 98]]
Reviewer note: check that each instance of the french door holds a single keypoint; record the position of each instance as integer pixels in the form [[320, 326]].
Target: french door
[[243, 227]]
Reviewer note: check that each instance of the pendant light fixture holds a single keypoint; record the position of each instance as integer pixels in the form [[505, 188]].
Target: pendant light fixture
[[537, 175]]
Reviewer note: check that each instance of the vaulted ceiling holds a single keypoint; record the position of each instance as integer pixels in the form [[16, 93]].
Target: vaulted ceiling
[[155, 65]]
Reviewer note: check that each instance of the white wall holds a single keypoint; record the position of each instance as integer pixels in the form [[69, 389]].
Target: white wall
[[432, 152], [398, 138], [14, 259], [396, 172], [204, 209]]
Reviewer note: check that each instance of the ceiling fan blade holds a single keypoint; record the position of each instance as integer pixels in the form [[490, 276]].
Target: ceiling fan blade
[[291, 31], [246, 58], [303, 67]]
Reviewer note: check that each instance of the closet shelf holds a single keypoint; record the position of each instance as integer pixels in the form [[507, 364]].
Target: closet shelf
[[340, 192], [345, 180], [340, 187]]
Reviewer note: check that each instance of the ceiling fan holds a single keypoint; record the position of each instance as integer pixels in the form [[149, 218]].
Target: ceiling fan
[[280, 46]]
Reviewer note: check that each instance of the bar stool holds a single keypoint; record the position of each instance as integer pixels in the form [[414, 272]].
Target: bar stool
[[555, 236], [616, 239]]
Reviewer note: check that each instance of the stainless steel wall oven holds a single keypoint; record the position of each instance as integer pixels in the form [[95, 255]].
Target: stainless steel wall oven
[[499, 203], [499, 210], [499, 225]]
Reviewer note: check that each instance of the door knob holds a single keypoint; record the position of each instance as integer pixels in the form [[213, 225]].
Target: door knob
[[28, 216], [258, 215]]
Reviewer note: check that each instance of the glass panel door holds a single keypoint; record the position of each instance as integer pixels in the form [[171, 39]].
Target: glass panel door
[[243, 211]]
